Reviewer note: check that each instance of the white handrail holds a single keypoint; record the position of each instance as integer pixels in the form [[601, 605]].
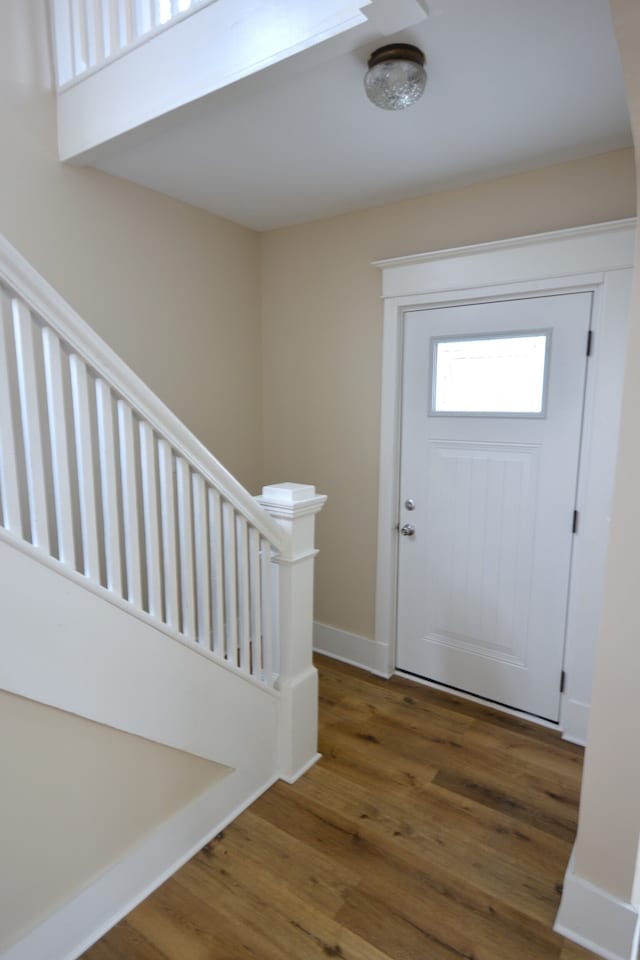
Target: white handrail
[[90, 33], [98, 475], [17, 273]]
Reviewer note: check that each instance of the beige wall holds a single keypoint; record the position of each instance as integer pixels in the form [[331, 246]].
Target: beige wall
[[76, 797], [322, 334], [609, 829], [173, 289]]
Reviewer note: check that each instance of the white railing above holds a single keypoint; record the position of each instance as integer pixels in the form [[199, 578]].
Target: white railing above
[[91, 33], [98, 476]]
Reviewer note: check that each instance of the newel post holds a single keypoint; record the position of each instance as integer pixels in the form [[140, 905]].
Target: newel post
[[294, 506]]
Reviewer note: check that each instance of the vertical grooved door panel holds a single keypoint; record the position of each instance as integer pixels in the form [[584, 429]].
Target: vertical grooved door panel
[[484, 574]]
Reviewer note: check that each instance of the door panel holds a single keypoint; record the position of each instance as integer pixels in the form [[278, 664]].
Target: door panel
[[483, 582], [481, 512]]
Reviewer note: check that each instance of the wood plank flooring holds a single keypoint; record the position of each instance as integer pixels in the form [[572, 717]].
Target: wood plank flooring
[[432, 829]]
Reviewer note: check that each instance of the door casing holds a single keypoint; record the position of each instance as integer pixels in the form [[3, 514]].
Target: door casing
[[598, 259]]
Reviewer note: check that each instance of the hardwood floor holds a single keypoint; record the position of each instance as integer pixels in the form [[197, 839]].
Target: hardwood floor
[[432, 829]]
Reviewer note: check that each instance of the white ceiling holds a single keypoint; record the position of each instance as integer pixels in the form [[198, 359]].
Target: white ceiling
[[513, 85]]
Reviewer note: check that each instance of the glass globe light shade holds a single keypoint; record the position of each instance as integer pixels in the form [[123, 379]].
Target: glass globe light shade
[[396, 77]]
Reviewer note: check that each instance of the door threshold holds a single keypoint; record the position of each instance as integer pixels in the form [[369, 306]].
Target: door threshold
[[493, 704]]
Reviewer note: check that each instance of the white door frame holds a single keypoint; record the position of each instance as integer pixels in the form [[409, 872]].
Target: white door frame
[[596, 258]]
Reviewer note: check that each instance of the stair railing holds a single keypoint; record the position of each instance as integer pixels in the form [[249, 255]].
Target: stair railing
[[91, 33], [101, 480]]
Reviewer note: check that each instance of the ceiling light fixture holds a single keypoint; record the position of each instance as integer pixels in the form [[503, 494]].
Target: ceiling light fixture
[[396, 77]]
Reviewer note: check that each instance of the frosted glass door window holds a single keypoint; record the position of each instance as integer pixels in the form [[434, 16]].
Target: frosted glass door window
[[503, 375]]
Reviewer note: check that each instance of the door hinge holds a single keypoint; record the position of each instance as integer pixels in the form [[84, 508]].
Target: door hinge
[[563, 681], [574, 525], [589, 342]]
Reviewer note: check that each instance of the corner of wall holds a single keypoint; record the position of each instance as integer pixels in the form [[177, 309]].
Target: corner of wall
[[351, 648], [598, 921]]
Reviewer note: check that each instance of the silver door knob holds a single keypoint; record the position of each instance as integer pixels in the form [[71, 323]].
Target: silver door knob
[[407, 530]]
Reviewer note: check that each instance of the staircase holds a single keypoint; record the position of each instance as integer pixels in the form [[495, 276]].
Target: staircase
[[143, 588]]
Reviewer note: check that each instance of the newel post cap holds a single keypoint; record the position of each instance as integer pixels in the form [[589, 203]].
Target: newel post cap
[[291, 500]]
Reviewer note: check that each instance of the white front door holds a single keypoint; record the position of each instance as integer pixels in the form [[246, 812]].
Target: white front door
[[491, 418]]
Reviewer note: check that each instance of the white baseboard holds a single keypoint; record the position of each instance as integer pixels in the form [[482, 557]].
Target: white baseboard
[[302, 770], [71, 929], [352, 648], [596, 920], [574, 721]]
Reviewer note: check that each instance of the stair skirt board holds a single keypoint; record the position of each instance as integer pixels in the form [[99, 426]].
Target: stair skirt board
[[68, 645], [71, 929]]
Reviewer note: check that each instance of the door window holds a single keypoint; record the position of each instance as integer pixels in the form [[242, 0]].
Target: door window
[[493, 375]]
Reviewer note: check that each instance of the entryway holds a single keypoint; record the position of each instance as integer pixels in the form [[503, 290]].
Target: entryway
[[491, 417], [494, 593]]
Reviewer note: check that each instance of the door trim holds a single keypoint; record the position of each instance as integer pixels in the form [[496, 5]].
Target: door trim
[[598, 259]]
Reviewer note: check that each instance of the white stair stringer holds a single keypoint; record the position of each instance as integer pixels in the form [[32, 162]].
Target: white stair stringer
[[66, 645]]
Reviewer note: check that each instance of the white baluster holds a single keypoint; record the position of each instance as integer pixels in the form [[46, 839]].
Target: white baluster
[[126, 23], [109, 22], [63, 45], [230, 591], [144, 16], [31, 427], [169, 540], [267, 610], [185, 537], [255, 590], [163, 13], [86, 473], [79, 37], [102, 29], [9, 484], [150, 519], [58, 432], [93, 21], [203, 588], [244, 616], [109, 486], [130, 510], [217, 570]]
